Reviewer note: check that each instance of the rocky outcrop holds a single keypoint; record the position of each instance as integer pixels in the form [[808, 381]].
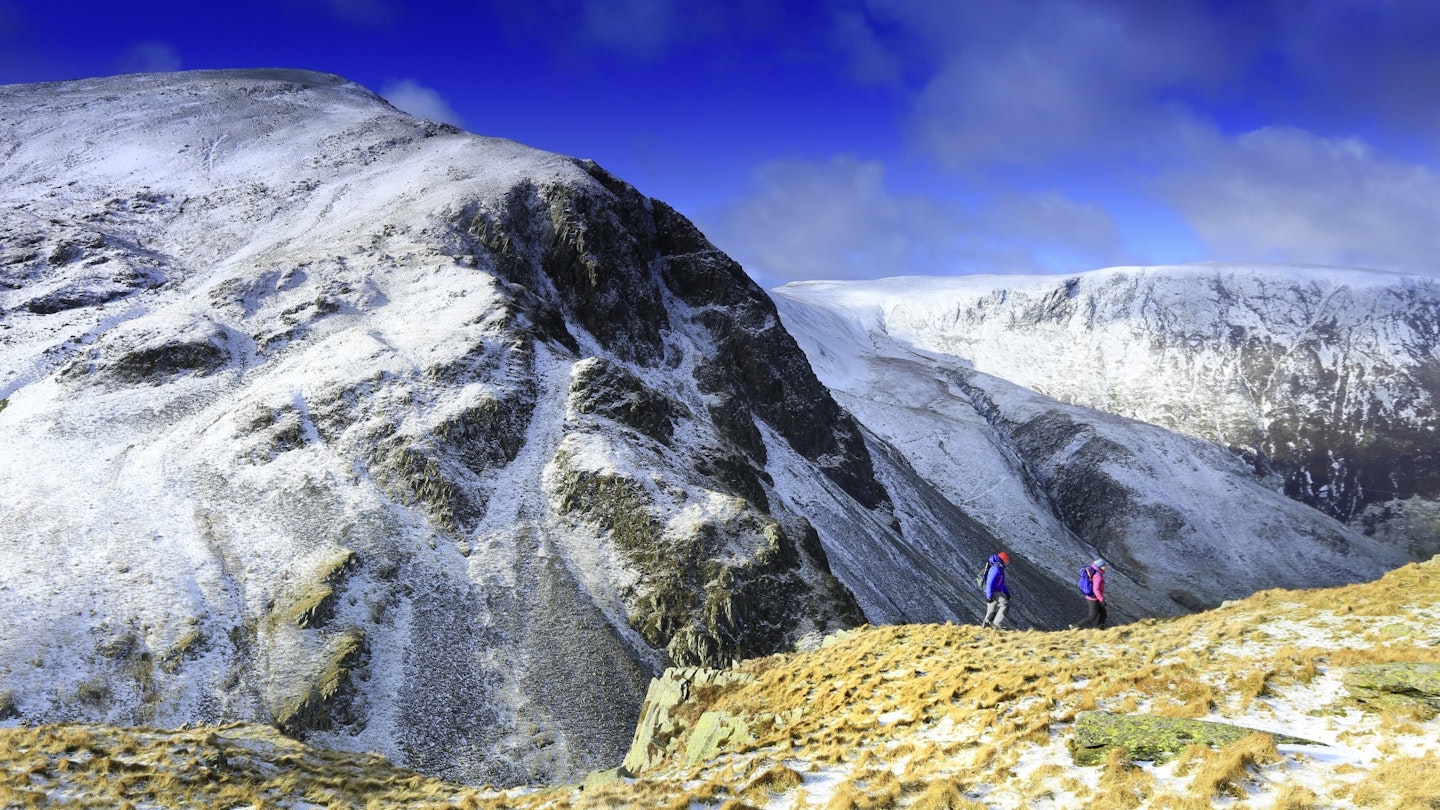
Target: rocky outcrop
[[1150, 738], [1411, 686], [671, 715], [755, 367]]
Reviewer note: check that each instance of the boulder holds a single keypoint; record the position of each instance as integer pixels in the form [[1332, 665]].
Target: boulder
[[716, 732], [661, 730], [1400, 685], [1152, 738]]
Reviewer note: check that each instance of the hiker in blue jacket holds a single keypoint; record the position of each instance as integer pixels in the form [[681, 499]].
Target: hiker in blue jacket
[[997, 596]]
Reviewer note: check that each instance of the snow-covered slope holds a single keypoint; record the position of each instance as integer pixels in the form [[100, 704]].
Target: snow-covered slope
[[1186, 523], [1327, 377], [404, 439]]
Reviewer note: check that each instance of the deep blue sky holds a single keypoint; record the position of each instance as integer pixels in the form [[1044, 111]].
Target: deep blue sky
[[866, 138]]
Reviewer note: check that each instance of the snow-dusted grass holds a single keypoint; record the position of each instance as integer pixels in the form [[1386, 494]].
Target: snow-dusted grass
[[230, 766], [921, 717], [943, 716]]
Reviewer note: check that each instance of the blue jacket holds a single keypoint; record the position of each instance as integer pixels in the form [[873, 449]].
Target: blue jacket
[[995, 580]]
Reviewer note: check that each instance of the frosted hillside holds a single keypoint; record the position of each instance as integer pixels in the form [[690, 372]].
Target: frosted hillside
[[1184, 523], [1325, 378], [400, 438]]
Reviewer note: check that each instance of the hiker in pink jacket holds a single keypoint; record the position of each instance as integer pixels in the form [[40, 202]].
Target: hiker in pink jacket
[[1092, 585]]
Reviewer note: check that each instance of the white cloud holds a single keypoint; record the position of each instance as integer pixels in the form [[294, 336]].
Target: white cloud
[[1024, 81], [871, 58], [638, 27], [150, 57], [420, 101], [1289, 195], [839, 220]]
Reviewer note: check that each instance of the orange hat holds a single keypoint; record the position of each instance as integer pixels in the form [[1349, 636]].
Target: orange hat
[[1004, 558]]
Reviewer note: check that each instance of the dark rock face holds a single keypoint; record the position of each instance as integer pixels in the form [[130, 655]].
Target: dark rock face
[[599, 253], [1080, 485], [199, 349], [156, 363], [758, 363], [714, 592], [602, 388]]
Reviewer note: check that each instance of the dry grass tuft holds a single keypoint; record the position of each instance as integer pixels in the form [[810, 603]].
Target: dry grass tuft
[[945, 794], [1123, 784], [1408, 782], [1225, 771], [779, 779], [1297, 797]]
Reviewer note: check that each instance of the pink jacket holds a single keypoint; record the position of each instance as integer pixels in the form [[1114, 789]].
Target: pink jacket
[[1097, 583]]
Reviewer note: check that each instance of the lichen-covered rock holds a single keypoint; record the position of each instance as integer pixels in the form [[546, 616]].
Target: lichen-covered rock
[[661, 728], [715, 733], [1405, 685], [1147, 737]]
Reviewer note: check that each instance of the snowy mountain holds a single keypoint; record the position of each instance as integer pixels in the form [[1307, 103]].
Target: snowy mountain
[[403, 439], [411, 441], [1319, 382]]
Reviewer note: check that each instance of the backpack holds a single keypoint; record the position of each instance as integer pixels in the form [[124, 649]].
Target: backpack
[[1086, 586], [980, 577]]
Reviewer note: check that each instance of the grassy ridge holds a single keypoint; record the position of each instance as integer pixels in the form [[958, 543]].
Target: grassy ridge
[[918, 716], [949, 716]]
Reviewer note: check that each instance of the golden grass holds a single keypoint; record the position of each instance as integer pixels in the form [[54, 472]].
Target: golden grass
[[1123, 785], [199, 768], [1224, 772], [1296, 797], [961, 709], [1405, 783], [944, 794]]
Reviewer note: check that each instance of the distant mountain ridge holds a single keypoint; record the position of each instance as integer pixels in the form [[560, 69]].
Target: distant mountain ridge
[[1326, 378]]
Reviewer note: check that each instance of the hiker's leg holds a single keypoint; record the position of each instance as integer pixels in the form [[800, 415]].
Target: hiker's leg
[[1093, 615], [1002, 602], [990, 608], [1103, 615]]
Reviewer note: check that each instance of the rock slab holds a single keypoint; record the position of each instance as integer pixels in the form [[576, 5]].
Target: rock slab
[[1148, 737]]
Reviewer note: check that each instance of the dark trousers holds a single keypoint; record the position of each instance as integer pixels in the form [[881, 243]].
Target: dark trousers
[[1097, 614]]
